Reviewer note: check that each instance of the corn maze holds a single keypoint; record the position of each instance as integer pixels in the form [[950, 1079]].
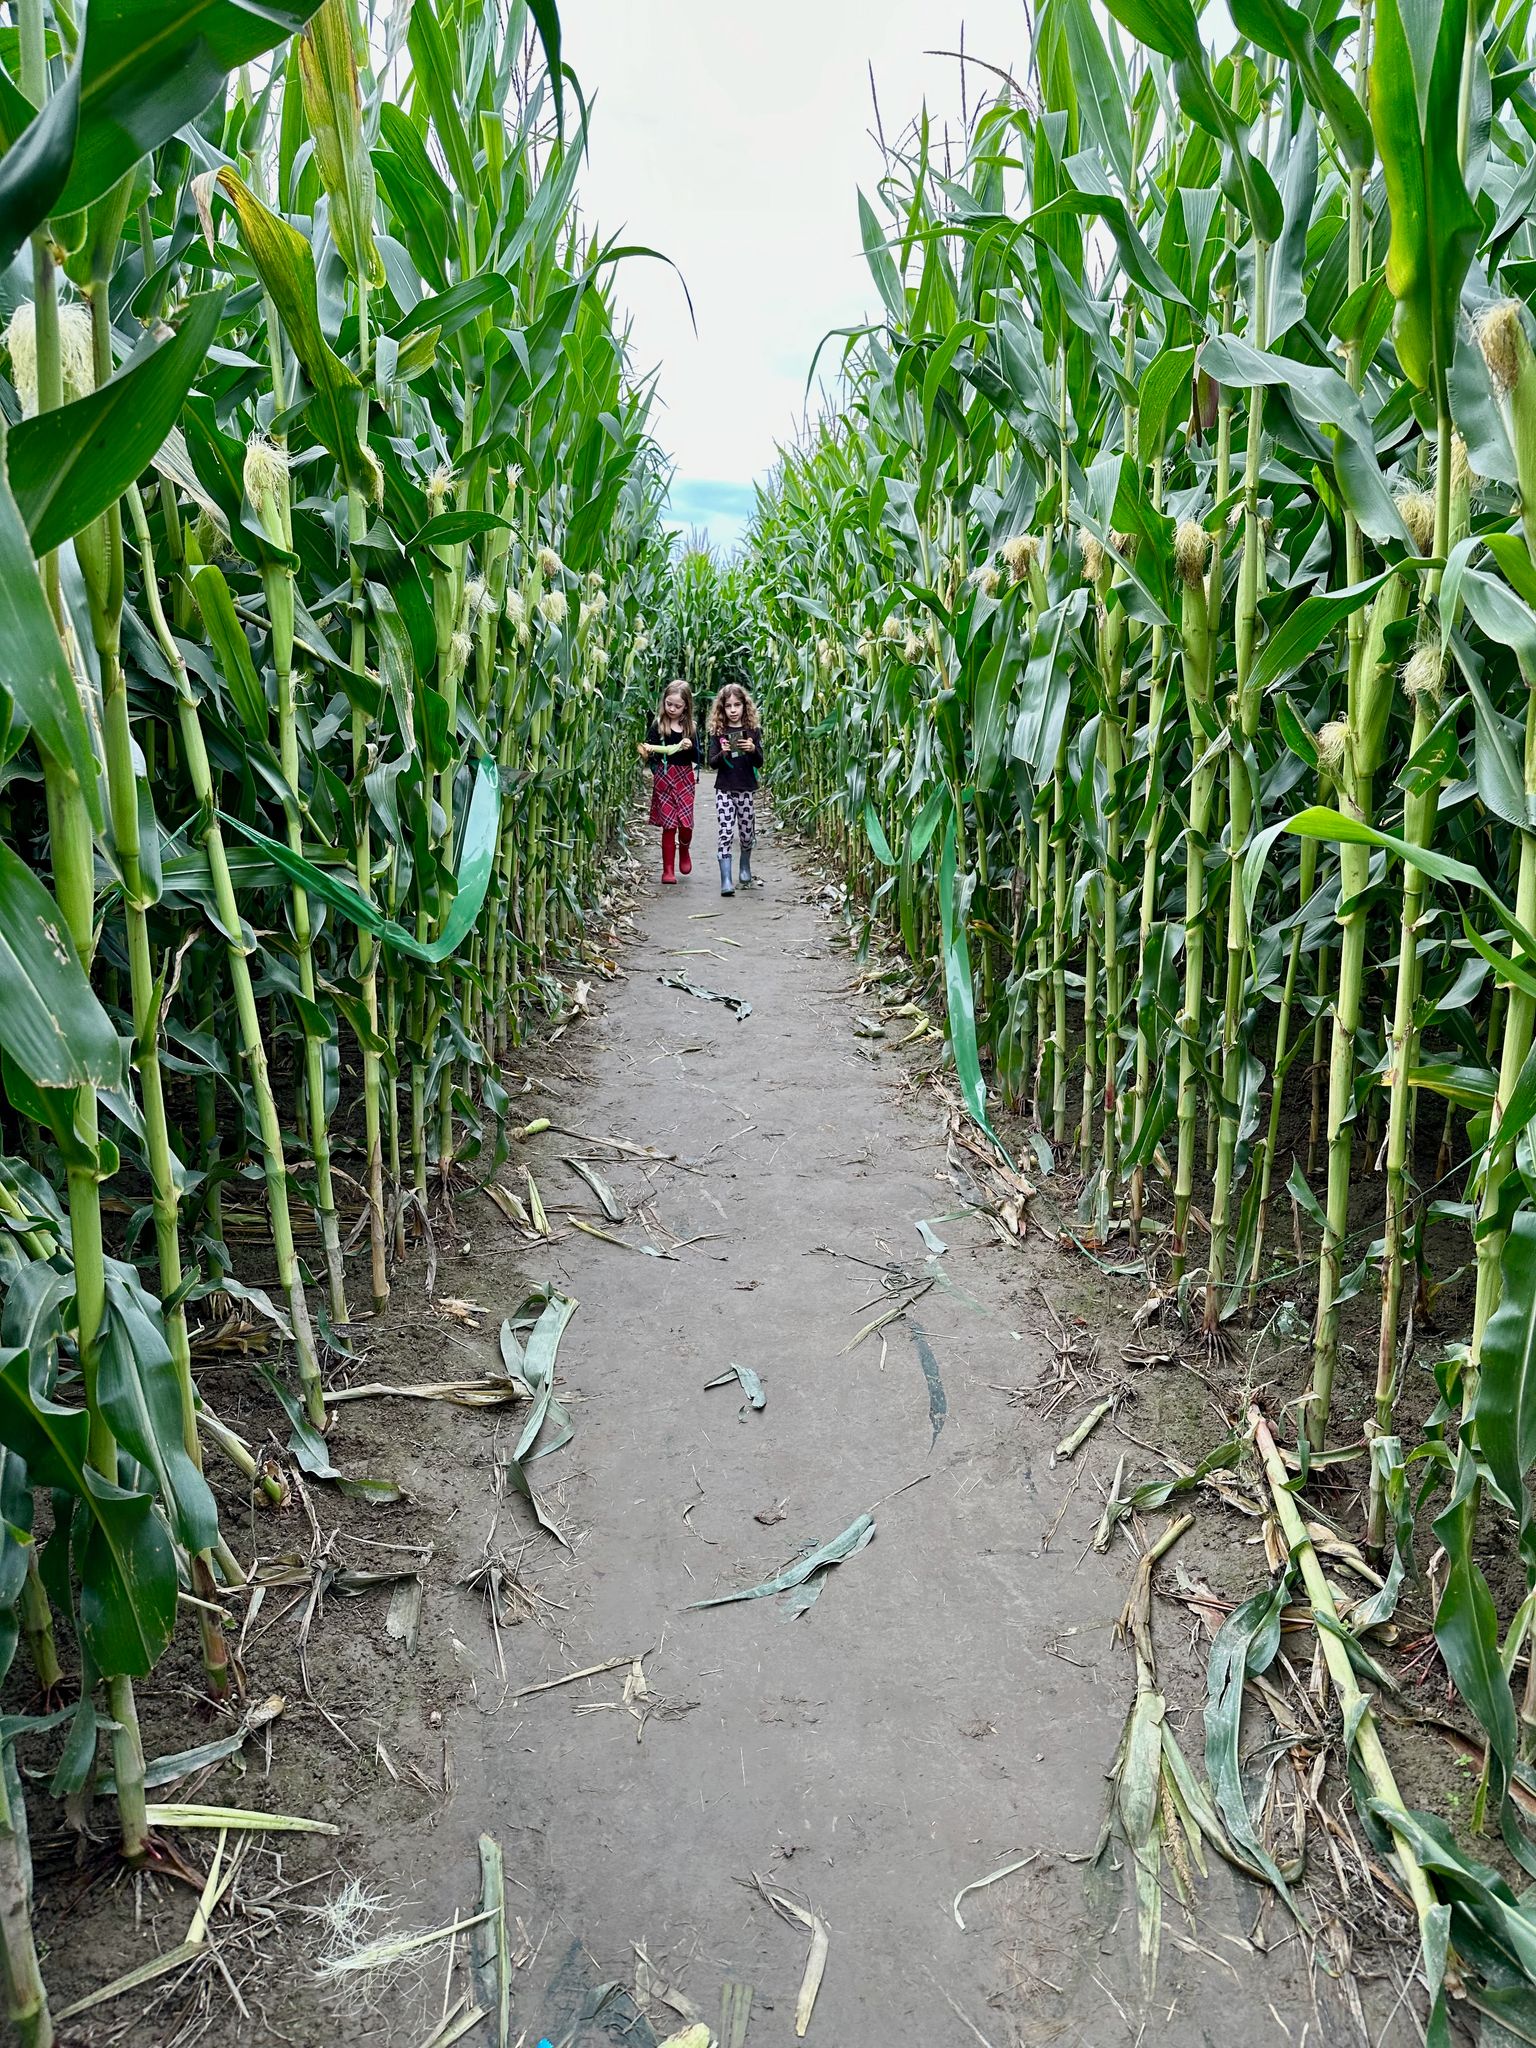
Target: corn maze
[[1147, 626]]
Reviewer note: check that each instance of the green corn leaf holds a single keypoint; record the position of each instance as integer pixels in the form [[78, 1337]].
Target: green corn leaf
[[51, 1024], [882, 265], [1503, 617], [122, 1550], [1505, 1406], [1102, 95], [231, 649], [848, 1544], [1467, 1632], [1322, 823], [69, 465], [879, 845], [152, 66], [1245, 1646], [34, 674], [437, 80], [958, 986], [1171, 26], [139, 1393], [39, 147], [1322, 399], [328, 70], [546, 19], [1416, 94], [287, 268], [1286, 32], [476, 857], [1309, 625]]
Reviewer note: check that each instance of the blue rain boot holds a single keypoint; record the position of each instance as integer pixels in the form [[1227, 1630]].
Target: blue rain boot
[[727, 888], [746, 867]]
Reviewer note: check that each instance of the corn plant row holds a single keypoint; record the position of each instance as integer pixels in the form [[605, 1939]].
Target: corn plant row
[[328, 518], [1150, 628]]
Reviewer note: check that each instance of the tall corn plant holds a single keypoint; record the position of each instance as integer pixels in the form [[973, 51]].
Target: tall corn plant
[[1157, 597], [328, 520]]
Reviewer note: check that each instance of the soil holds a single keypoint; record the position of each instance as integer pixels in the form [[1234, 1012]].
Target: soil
[[950, 1704]]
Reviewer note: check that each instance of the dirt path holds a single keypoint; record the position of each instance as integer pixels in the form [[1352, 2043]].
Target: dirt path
[[950, 1703]]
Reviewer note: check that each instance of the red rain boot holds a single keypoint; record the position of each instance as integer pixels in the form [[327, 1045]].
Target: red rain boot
[[684, 841], [668, 853]]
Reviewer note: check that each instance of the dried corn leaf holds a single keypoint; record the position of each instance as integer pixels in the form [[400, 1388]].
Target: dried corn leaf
[[607, 1200], [510, 1205], [490, 1958], [237, 1818], [815, 1963], [648, 1251], [979, 1884], [457, 1393]]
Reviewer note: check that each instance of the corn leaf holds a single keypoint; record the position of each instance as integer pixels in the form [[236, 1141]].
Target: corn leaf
[[39, 148], [67, 466], [287, 268], [1416, 87], [34, 674], [852, 1540], [151, 66], [121, 1548], [51, 1023]]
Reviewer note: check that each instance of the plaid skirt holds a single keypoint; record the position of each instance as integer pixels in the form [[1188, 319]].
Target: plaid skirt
[[672, 796]]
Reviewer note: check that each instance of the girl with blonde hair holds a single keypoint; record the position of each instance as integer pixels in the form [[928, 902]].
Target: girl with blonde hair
[[671, 751]]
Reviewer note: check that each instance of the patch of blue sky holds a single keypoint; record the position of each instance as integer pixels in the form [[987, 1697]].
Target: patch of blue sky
[[712, 505]]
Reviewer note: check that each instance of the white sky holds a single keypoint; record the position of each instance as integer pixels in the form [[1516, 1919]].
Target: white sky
[[733, 137]]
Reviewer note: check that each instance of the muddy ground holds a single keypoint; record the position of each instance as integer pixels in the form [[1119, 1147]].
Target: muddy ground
[[950, 1704]]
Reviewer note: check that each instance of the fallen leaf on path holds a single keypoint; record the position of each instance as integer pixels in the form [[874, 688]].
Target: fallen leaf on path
[[794, 1576], [383, 1955], [570, 1677], [938, 1400], [751, 1385], [607, 1200], [652, 1988], [739, 1004], [886, 1316], [815, 1963], [648, 1251], [458, 1393], [490, 1958], [980, 1884], [735, 2012], [768, 1516]]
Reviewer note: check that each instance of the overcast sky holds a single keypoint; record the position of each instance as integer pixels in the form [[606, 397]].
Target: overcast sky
[[733, 137]]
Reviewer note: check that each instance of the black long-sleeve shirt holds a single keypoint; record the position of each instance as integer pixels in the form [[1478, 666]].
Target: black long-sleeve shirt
[[686, 745], [739, 770]]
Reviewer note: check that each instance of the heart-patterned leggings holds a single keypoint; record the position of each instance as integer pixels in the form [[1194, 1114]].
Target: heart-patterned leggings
[[735, 811]]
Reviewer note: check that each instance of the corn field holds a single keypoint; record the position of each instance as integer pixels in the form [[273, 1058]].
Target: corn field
[[328, 520], [1149, 628]]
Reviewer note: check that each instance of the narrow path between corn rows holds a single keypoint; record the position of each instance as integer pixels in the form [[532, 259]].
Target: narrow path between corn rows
[[953, 1699]]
